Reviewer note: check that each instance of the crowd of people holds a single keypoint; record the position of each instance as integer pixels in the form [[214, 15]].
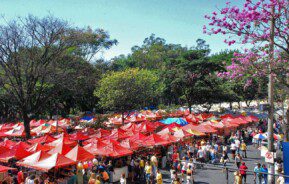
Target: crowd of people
[[182, 159]]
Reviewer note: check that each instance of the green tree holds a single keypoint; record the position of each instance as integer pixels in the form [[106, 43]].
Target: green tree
[[192, 76], [127, 90], [31, 49]]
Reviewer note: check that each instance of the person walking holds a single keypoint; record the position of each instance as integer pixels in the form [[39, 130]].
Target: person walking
[[159, 177], [257, 174], [122, 179], [92, 178], [238, 177], [237, 143], [110, 171], [98, 180], [233, 149], [190, 179], [243, 148], [20, 177], [79, 176], [225, 158], [238, 160], [264, 170], [243, 171], [148, 171]]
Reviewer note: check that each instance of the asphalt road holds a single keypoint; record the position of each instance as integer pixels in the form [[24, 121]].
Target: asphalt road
[[214, 174]]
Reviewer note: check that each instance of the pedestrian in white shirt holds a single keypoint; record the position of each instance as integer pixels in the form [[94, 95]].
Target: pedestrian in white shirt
[[233, 150], [237, 143]]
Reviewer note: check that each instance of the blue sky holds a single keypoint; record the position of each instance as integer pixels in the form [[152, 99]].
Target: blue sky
[[128, 21]]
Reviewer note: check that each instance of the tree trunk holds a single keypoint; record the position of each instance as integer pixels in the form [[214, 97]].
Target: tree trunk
[[190, 108], [231, 105], [248, 102], [26, 120], [122, 118], [239, 104]]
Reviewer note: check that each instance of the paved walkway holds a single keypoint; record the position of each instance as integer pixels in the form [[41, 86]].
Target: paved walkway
[[215, 175]]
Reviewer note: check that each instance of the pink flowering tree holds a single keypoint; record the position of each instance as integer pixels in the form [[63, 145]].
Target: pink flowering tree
[[250, 25]]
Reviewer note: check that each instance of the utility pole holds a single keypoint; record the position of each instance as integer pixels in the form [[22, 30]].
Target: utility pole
[[271, 179]]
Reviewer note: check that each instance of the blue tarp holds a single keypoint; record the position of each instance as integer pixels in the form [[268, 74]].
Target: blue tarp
[[285, 146], [179, 121], [87, 118]]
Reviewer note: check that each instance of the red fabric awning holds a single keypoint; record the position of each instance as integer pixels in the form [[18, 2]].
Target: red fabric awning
[[182, 134], [78, 136], [17, 152], [101, 133], [43, 139], [32, 159], [78, 154], [117, 134], [94, 146], [62, 140], [138, 137], [114, 150], [170, 138], [54, 161], [129, 144], [5, 169], [61, 148], [8, 143], [204, 128], [39, 147], [154, 140]]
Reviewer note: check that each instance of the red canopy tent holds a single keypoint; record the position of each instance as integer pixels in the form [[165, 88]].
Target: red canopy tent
[[88, 131], [39, 147], [17, 131], [169, 138], [117, 134], [129, 144], [61, 148], [17, 152], [218, 125], [34, 123], [6, 126], [5, 169], [182, 134], [227, 116], [54, 161], [43, 139], [189, 126], [94, 146], [110, 141], [64, 140], [204, 128], [101, 133], [192, 119], [34, 158], [138, 137], [78, 136], [166, 130], [229, 122], [154, 140], [129, 128], [239, 121], [78, 154], [173, 125], [114, 150], [251, 118], [8, 143], [145, 127]]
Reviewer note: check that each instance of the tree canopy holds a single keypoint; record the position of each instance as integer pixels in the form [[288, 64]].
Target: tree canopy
[[127, 90]]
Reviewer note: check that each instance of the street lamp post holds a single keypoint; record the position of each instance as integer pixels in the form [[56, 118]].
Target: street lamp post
[[271, 97]]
